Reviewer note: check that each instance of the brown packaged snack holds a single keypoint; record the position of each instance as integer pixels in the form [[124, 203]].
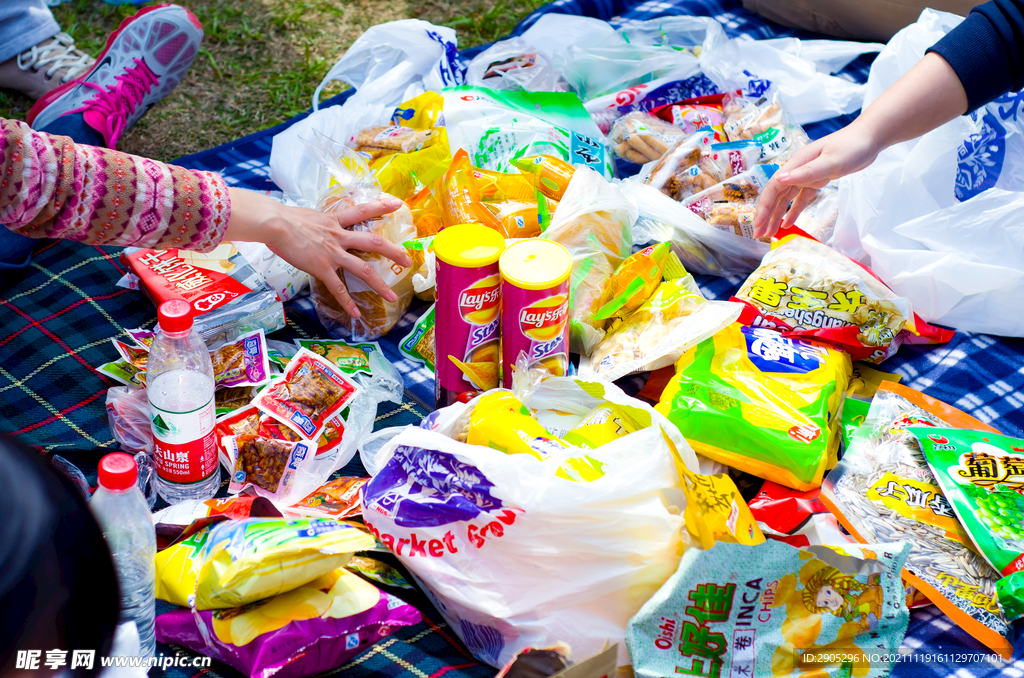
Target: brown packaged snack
[[686, 168], [642, 138]]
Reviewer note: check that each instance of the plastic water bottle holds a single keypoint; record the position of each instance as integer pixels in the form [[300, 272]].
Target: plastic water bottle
[[179, 380], [127, 525]]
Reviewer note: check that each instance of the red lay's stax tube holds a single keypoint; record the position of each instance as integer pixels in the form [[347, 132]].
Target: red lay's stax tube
[[468, 302], [535, 306]]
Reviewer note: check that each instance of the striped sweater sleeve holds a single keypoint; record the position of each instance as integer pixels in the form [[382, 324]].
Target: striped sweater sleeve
[[51, 187]]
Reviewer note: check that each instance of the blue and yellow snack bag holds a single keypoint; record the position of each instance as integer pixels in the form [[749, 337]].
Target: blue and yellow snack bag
[[761, 403]]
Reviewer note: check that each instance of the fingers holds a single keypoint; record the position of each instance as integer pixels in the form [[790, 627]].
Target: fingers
[[375, 242], [366, 272], [771, 223], [802, 199], [340, 291], [370, 210], [766, 205]]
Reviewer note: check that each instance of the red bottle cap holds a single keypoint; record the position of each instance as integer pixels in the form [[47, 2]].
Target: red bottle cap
[[175, 315], [118, 472]]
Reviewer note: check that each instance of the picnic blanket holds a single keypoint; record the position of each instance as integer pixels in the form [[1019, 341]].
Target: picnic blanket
[[59, 316]]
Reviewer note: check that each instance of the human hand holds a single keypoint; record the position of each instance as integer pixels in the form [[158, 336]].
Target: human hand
[[797, 182], [317, 242]]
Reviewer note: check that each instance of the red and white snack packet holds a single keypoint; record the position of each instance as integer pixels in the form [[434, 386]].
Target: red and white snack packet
[[310, 394]]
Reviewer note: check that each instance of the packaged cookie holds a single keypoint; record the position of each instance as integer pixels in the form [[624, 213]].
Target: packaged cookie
[[642, 138], [764, 120], [311, 393], [732, 204], [377, 141]]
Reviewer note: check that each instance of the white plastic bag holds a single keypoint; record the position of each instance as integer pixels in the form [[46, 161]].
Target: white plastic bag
[[701, 247], [514, 556], [515, 64], [960, 263], [593, 221], [388, 64], [808, 94]]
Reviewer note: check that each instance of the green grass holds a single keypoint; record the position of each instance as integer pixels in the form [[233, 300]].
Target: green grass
[[262, 59]]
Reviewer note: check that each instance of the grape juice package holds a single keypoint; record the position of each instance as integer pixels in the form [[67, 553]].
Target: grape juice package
[[982, 476]]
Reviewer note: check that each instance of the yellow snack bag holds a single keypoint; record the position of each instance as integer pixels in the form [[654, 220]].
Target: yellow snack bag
[[237, 562], [501, 422], [402, 174], [549, 175], [633, 282], [420, 112], [604, 424], [715, 510]]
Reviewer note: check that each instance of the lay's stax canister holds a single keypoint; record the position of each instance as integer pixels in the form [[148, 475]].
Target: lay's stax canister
[[468, 292], [535, 306]]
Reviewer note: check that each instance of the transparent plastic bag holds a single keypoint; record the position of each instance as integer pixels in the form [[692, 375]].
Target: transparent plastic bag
[[819, 218], [685, 168], [641, 138], [515, 64], [732, 204], [763, 119], [129, 418], [345, 181]]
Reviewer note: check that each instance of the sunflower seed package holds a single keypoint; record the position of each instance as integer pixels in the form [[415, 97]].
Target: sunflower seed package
[[883, 491], [774, 610], [982, 475]]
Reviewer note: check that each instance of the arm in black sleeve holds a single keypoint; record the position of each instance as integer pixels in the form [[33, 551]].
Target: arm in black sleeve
[[987, 51]]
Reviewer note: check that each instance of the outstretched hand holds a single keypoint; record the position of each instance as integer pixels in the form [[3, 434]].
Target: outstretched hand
[[810, 168], [316, 242]]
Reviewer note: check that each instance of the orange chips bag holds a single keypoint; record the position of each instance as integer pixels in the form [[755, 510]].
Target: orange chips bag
[[548, 174], [459, 197]]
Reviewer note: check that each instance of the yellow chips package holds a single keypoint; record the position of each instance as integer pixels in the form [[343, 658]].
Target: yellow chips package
[[501, 422], [240, 561], [549, 175], [633, 281], [403, 174], [604, 424], [761, 403], [715, 510]]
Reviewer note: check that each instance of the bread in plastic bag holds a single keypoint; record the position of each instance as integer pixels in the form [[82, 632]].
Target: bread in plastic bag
[[732, 204], [642, 138], [346, 181], [593, 221], [763, 119], [684, 169]]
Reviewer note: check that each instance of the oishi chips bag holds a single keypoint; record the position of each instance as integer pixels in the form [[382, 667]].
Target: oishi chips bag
[[307, 631], [806, 289], [882, 490], [775, 610], [982, 476], [761, 403], [241, 561]]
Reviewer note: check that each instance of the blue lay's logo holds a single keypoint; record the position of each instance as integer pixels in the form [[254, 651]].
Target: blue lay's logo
[[303, 422], [427, 488], [772, 352]]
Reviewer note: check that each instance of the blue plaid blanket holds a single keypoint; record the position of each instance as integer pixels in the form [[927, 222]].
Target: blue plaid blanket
[[58, 319]]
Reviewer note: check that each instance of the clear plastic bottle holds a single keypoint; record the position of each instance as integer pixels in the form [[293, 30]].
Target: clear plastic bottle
[[179, 379], [122, 513]]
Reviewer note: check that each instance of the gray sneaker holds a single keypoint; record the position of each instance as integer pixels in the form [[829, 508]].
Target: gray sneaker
[[38, 71]]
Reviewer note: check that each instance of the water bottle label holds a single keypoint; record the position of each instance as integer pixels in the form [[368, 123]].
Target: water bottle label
[[185, 446]]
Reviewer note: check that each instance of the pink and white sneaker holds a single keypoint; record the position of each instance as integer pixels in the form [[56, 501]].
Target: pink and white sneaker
[[144, 59]]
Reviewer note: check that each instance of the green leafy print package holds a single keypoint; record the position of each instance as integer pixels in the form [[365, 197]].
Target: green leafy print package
[[496, 127], [982, 476], [775, 610]]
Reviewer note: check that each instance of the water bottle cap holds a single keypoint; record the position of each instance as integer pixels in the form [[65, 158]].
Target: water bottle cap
[[175, 315], [118, 472]]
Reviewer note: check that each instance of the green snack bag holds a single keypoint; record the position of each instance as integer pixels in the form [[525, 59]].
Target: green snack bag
[[982, 476], [418, 345], [773, 609], [855, 411], [349, 357], [124, 372]]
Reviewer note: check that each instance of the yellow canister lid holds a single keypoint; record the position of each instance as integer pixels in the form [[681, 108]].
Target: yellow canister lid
[[535, 264], [468, 245]]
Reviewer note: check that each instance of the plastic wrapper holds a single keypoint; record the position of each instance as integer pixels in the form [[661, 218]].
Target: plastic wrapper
[[237, 562], [304, 632], [378, 572], [883, 490], [267, 464], [418, 345], [485, 522], [346, 181], [495, 127], [685, 168], [732, 205], [798, 518], [692, 117], [459, 196], [807, 289], [514, 64], [634, 281], [701, 247], [761, 403], [641, 138], [351, 358], [674, 319], [377, 141], [338, 499], [404, 174], [648, 96], [715, 511], [228, 297], [819, 218], [593, 222], [129, 418], [286, 280], [309, 395], [982, 476], [735, 158], [548, 174], [230, 399], [772, 609], [762, 119]]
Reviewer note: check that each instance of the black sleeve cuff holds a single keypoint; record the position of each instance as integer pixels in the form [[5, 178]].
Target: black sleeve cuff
[[979, 55]]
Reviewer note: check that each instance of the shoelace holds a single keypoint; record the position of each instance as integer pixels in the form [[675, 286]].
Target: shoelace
[[112, 106], [59, 53]]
